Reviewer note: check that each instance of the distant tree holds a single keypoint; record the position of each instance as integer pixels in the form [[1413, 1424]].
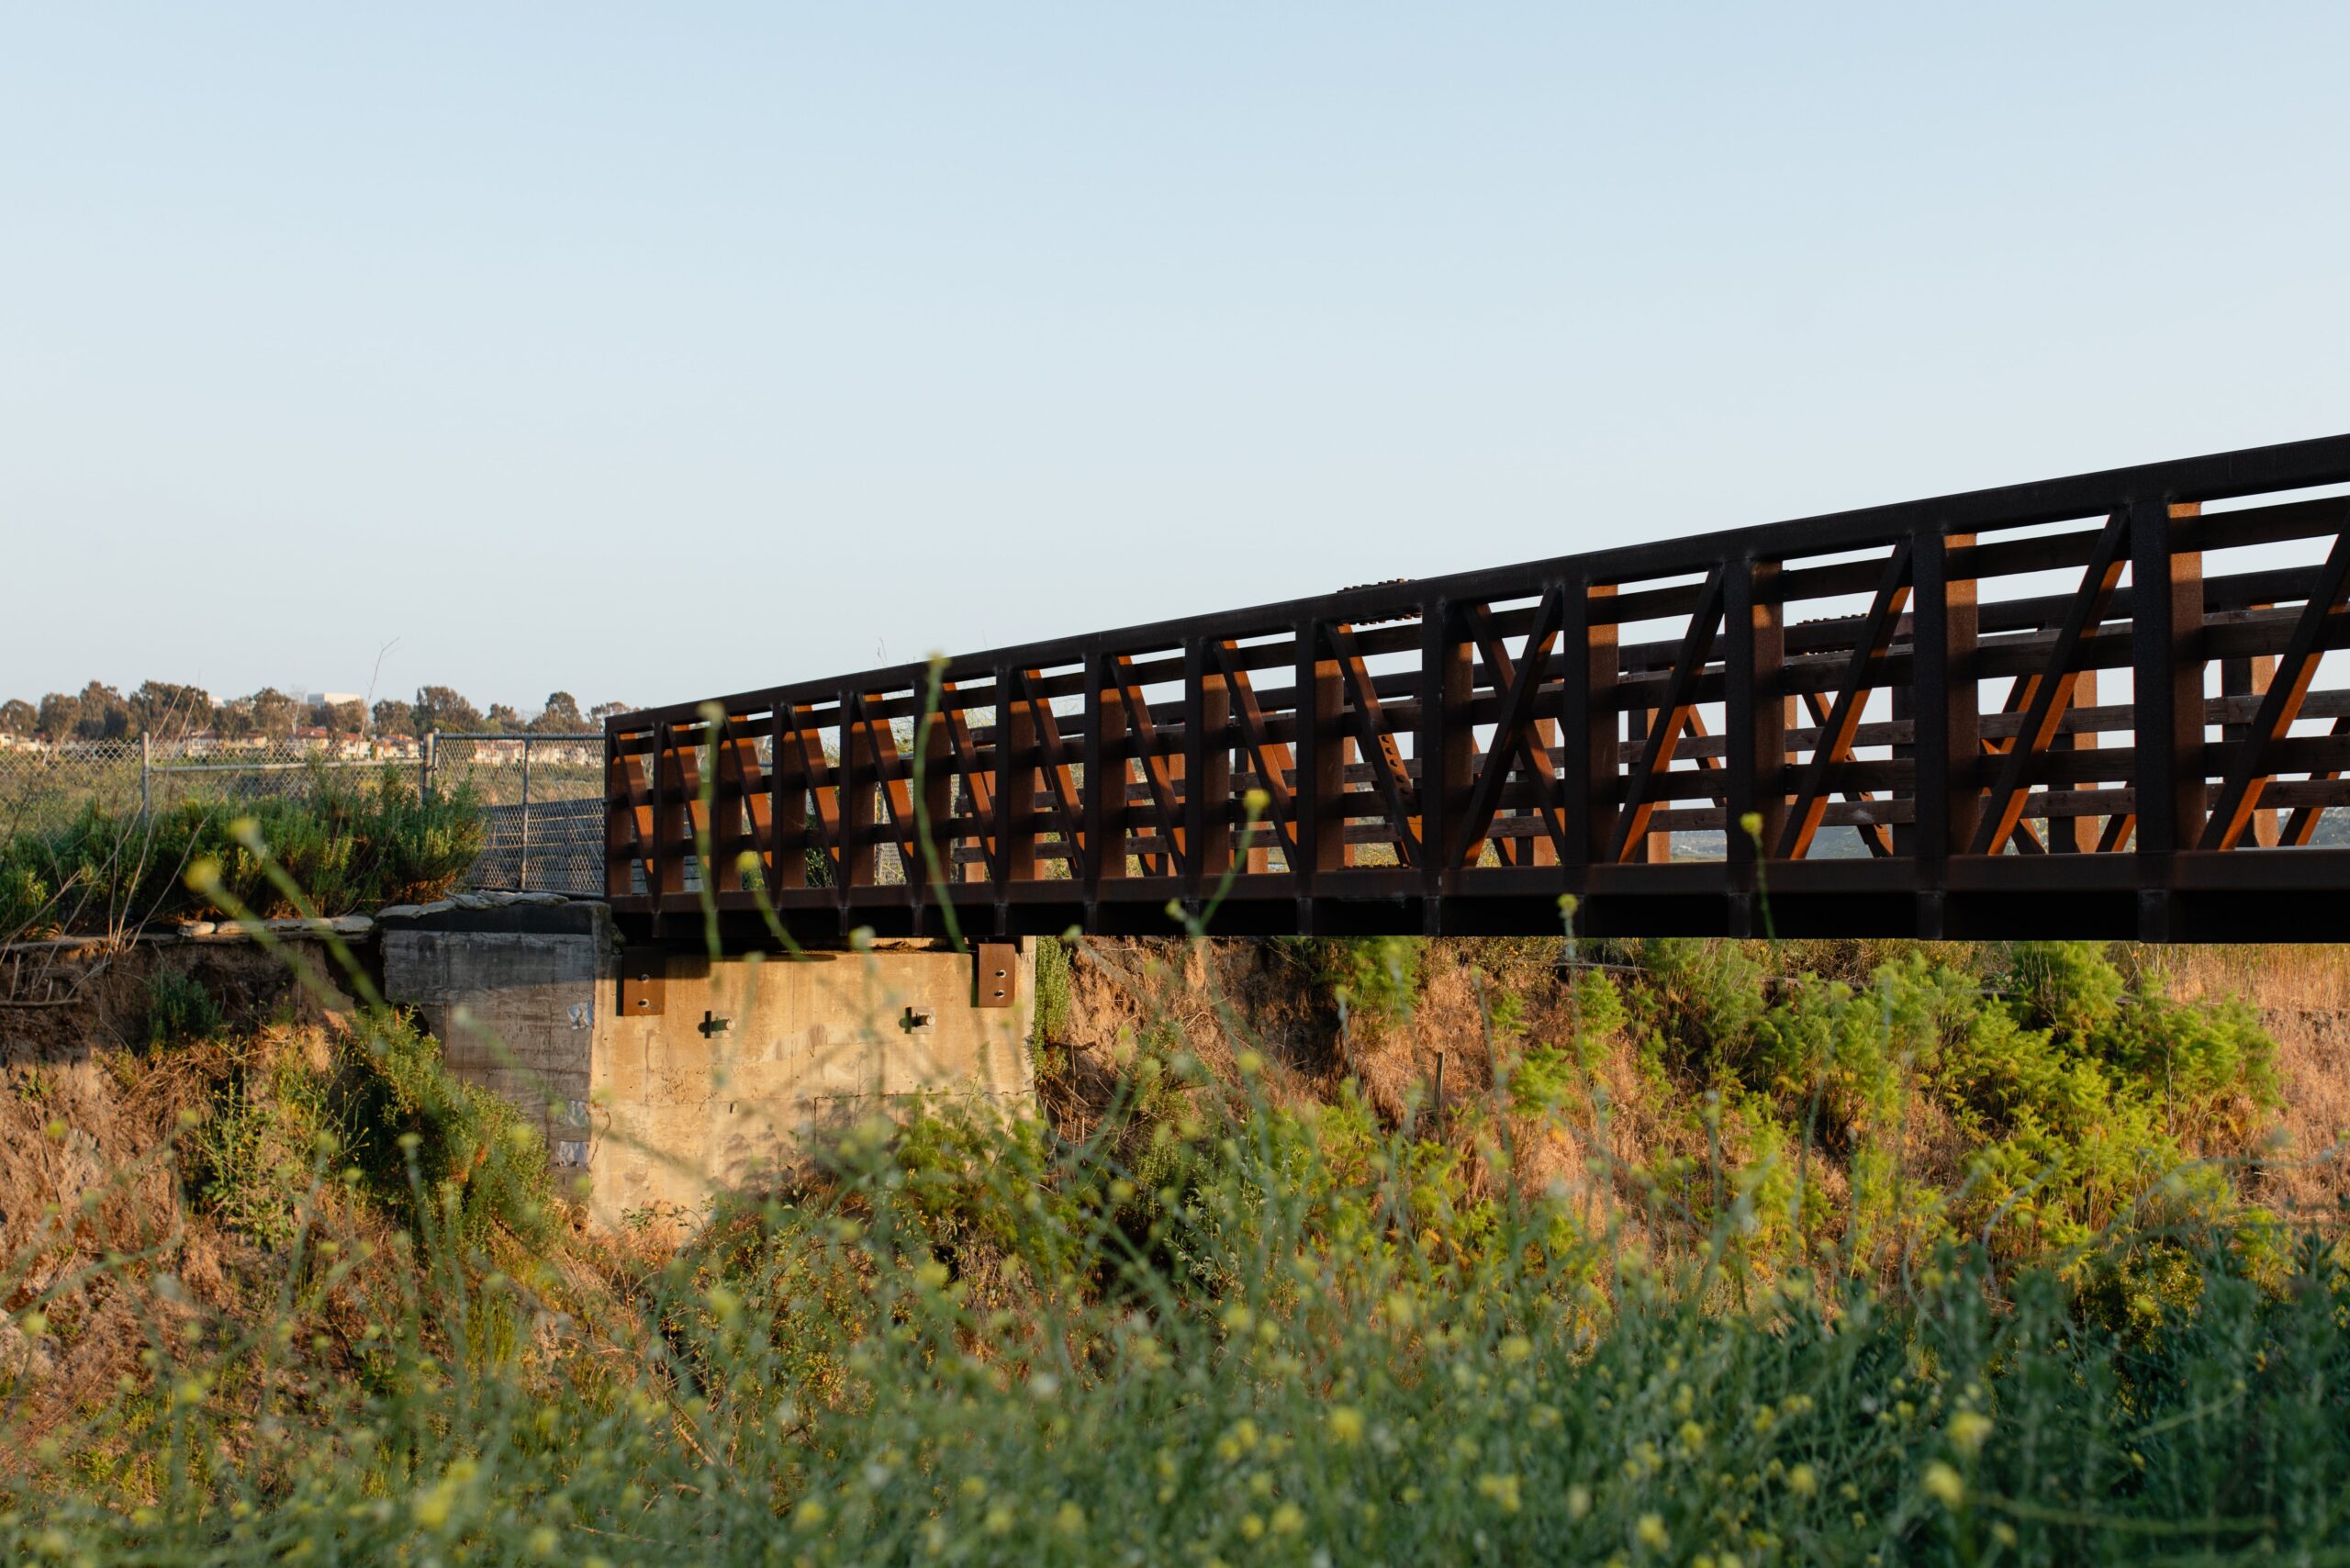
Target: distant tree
[[165, 708], [233, 718], [59, 716], [394, 717], [274, 714], [347, 718], [603, 711], [561, 715], [105, 715], [444, 707], [18, 717], [503, 718]]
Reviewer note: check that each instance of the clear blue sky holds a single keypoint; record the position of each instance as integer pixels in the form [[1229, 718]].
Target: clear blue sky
[[662, 352]]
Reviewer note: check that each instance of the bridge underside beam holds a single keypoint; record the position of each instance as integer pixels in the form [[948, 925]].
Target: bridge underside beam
[[2277, 895]]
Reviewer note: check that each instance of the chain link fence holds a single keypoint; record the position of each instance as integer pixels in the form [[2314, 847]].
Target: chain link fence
[[543, 804], [541, 796]]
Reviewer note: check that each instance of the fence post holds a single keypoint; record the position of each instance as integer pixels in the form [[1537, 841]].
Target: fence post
[[432, 749], [522, 877], [146, 768]]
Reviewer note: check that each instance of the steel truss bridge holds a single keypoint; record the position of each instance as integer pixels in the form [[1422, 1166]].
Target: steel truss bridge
[[2086, 707]]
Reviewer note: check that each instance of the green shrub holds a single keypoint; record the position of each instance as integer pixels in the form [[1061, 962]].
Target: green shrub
[[1376, 978], [349, 843], [1053, 1015], [179, 1009], [253, 1157], [431, 1148]]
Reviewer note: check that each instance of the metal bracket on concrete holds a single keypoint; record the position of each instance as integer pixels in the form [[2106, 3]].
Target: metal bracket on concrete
[[645, 983], [996, 976], [645, 974]]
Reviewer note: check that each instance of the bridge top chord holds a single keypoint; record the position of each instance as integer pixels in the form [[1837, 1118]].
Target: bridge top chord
[[2084, 707]]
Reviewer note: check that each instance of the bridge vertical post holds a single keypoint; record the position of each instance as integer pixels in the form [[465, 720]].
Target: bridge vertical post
[[1445, 745], [1016, 787], [1755, 740], [1319, 696], [2069, 833], [937, 795], [786, 801], [619, 797], [1946, 722], [1589, 667], [2167, 693], [1105, 775], [859, 855], [1653, 847], [724, 872], [665, 872], [1207, 772]]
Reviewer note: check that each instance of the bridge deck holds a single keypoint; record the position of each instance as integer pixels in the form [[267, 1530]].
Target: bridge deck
[[2083, 707]]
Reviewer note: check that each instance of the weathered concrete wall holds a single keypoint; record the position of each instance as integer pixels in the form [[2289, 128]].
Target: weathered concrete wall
[[512, 994], [683, 1108], [744, 1059]]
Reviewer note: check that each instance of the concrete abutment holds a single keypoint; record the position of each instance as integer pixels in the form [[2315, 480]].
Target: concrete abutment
[[664, 1078]]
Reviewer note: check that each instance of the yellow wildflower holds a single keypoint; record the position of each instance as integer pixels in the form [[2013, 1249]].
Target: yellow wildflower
[[1501, 1490], [1967, 1431], [1651, 1533], [1942, 1483]]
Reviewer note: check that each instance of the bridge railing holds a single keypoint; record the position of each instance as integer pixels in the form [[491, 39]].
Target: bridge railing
[[2087, 705]]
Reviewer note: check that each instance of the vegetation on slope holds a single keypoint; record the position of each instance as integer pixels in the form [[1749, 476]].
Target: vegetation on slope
[[1717, 1253]]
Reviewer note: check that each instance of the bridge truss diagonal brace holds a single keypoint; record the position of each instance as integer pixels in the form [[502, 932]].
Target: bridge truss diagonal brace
[[2053, 691], [1273, 759], [2287, 688], [1836, 729], [979, 782], [741, 793], [1155, 773], [628, 817], [2024, 837], [1058, 777], [816, 773], [1379, 748], [1656, 752], [1513, 727]]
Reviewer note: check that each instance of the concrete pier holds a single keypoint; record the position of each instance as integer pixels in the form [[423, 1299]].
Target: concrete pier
[[663, 1078]]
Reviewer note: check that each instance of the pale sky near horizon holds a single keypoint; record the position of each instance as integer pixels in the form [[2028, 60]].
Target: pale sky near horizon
[[657, 352]]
